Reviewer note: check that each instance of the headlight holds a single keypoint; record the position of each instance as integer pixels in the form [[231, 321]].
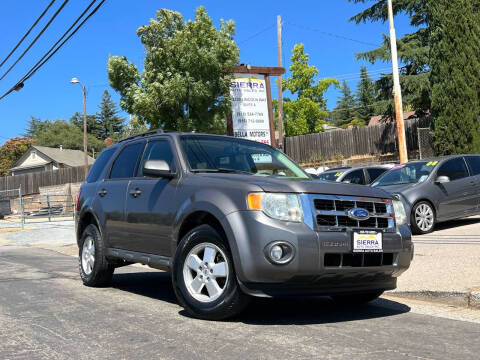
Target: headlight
[[399, 209], [285, 207]]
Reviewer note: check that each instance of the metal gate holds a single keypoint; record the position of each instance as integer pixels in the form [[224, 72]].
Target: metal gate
[[11, 217], [425, 143]]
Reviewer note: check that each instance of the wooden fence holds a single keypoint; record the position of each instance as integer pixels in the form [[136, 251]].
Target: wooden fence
[[31, 183], [365, 140]]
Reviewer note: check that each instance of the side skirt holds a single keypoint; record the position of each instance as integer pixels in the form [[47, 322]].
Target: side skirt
[[154, 261]]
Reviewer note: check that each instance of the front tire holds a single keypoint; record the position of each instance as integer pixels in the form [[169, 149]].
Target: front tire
[[203, 276], [94, 268], [423, 218], [356, 299]]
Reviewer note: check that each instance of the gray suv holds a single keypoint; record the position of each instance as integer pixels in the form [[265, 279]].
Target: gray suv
[[232, 219]]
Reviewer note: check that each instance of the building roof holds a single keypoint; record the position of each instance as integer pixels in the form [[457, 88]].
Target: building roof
[[60, 156], [379, 119]]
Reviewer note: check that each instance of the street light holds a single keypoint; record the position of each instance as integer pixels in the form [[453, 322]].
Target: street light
[[85, 153]]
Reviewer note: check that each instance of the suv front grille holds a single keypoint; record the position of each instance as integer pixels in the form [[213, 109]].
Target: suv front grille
[[331, 212]]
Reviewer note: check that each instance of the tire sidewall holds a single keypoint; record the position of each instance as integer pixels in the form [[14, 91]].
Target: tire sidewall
[[202, 234], [415, 228]]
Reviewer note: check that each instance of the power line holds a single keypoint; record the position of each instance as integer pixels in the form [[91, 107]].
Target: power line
[[37, 66], [36, 38], [256, 34], [330, 34], [27, 33]]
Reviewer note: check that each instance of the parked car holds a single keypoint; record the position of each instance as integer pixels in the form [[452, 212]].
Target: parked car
[[233, 218], [436, 190], [359, 175]]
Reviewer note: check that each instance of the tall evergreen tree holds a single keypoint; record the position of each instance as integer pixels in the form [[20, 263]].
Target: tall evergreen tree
[[34, 126], [345, 111], [365, 96], [108, 121], [93, 126], [455, 76], [413, 52]]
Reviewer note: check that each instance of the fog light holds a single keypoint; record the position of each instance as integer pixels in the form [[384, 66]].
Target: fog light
[[276, 253]]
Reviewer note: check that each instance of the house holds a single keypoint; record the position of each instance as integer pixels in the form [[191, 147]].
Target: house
[[42, 158], [379, 119], [328, 127]]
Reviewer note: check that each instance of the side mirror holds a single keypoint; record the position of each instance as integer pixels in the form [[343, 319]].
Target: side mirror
[[442, 180], [157, 168]]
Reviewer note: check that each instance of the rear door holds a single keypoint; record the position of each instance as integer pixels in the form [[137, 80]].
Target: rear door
[[457, 195], [150, 205], [473, 162], [112, 193]]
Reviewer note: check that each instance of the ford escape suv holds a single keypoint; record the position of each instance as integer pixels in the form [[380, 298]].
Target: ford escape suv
[[231, 219]]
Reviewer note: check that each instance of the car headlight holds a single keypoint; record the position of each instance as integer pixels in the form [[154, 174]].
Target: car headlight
[[399, 209], [286, 207]]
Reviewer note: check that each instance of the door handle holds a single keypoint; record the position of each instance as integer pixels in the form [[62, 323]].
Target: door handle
[[102, 192], [136, 192]]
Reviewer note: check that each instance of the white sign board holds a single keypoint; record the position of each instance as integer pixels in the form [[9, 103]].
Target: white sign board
[[250, 108]]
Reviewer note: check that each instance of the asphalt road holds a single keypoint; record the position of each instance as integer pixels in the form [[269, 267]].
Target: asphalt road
[[46, 313]]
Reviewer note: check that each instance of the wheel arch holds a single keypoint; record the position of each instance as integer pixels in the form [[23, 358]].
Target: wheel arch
[[85, 219]]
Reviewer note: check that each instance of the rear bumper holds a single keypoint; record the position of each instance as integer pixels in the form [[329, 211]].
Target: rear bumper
[[309, 272]]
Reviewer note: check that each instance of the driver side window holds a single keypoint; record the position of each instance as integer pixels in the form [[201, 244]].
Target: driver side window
[[355, 177], [455, 169]]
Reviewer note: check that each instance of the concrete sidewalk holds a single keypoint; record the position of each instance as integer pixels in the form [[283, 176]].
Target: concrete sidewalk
[[446, 266]]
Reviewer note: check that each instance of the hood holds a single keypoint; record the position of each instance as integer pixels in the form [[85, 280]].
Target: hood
[[310, 186], [395, 189]]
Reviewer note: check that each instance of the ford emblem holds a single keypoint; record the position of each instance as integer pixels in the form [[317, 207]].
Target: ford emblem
[[358, 214]]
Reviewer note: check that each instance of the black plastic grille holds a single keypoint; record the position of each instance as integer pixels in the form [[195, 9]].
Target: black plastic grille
[[358, 259], [324, 204]]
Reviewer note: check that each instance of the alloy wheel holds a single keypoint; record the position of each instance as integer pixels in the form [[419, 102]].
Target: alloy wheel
[[88, 255], [424, 217], [205, 272]]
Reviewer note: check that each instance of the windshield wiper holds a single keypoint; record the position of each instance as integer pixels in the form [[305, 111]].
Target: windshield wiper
[[221, 170]]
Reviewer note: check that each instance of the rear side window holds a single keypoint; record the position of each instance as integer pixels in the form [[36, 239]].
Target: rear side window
[[374, 173], [125, 164], [474, 163], [99, 165], [355, 177], [455, 169], [157, 150]]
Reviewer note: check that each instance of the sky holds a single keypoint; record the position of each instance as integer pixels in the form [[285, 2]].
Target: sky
[[322, 25]]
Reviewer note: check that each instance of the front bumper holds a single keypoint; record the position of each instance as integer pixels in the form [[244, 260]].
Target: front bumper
[[309, 272]]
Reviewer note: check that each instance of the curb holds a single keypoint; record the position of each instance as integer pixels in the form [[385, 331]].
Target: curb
[[469, 299]]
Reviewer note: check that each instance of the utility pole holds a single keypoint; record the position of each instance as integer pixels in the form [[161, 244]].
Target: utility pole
[[85, 153], [279, 80], [397, 91]]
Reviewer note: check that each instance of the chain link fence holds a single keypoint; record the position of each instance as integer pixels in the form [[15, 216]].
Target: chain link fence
[[11, 217], [425, 143]]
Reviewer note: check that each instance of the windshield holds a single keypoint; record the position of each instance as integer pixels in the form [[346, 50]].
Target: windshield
[[330, 176], [407, 174], [225, 154]]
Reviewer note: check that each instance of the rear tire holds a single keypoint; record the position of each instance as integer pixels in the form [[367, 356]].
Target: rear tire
[[356, 299], [94, 268], [423, 218], [203, 276]]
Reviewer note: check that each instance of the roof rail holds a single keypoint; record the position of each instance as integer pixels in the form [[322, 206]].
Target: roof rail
[[147, 133]]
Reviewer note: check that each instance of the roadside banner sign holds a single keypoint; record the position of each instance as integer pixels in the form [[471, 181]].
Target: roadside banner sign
[[250, 113]]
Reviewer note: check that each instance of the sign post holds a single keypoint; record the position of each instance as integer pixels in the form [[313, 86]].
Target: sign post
[[252, 110]]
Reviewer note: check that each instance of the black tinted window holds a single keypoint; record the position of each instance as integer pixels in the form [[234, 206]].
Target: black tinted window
[[474, 163], [124, 165], [374, 173], [454, 169], [99, 165], [157, 150], [355, 177]]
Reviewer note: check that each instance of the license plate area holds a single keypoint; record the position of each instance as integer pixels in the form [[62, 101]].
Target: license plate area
[[367, 241]]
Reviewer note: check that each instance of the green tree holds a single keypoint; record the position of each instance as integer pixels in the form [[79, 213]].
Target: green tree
[[11, 151], [413, 52], [93, 126], [346, 109], [60, 132], [307, 113], [455, 76], [33, 127], [365, 96], [186, 76], [108, 121]]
